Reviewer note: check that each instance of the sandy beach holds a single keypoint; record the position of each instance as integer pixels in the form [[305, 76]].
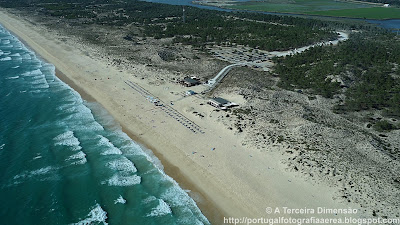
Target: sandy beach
[[226, 178]]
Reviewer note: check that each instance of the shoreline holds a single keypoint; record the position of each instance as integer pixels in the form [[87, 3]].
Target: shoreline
[[206, 205], [235, 180]]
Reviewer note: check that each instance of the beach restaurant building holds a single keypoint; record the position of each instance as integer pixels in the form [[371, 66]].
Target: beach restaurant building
[[189, 82], [221, 103]]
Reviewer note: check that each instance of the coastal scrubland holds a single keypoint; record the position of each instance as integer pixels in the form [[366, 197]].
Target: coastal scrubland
[[363, 69]]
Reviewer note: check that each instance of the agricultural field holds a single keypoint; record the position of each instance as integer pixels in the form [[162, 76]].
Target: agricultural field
[[337, 8]]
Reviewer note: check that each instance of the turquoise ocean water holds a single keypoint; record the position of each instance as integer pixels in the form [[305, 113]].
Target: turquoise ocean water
[[66, 161]]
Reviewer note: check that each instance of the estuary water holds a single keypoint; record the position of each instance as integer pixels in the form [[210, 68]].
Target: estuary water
[[66, 161]]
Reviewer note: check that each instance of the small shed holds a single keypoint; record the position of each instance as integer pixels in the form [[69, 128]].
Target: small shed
[[190, 92]]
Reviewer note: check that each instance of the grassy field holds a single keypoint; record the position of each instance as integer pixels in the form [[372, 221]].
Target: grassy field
[[321, 7], [368, 13]]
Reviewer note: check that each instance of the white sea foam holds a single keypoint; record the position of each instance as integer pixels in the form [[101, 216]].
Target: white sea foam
[[41, 171], [79, 155], [5, 58], [79, 158], [96, 216], [2, 146], [37, 77], [12, 78], [131, 148], [29, 174], [153, 159], [38, 91], [6, 41], [104, 141], [71, 109], [176, 196], [36, 72], [27, 56], [25, 74], [37, 157], [120, 200], [68, 107], [134, 149], [69, 95], [76, 148], [38, 81], [190, 220], [123, 164], [67, 139], [161, 210], [112, 150], [92, 126], [65, 135], [41, 86], [149, 199], [80, 162], [119, 180], [75, 95], [16, 55], [49, 67], [49, 71], [82, 113], [15, 67]]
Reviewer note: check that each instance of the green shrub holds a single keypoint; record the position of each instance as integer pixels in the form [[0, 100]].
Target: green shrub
[[384, 126]]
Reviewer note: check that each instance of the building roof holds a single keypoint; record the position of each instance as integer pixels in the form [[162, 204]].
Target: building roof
[[220, 101], [190, 80]]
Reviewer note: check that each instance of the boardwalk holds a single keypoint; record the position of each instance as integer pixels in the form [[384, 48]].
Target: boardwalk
[[214, 81], [183, 120]]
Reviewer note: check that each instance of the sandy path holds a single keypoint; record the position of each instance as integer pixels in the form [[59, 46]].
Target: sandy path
[[342, 37]]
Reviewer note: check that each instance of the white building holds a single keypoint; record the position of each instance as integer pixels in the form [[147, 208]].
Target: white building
[[221, 103]]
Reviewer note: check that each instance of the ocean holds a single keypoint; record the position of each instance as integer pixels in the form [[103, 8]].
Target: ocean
[[64, 160]]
